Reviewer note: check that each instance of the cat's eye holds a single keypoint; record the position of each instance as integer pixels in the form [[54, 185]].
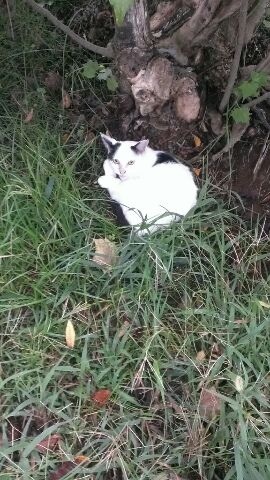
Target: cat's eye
[[131, 162], [115, 161]]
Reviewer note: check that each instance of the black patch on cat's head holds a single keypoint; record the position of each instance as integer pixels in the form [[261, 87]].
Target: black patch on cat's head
[[110, 144], [112, 149], [164, 157]]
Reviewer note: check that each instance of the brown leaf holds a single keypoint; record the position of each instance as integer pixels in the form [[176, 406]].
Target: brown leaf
[[53, 81], [101, 397], [66, 100], [200, 356], [197, 141], [197, 171], [70, 334], [209, 404], [123, 329], [29, 116], [49, 443], [81, 459], [105, 254], [61, 471], [65, 137]]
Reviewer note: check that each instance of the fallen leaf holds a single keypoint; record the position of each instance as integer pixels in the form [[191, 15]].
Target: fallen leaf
[[200, 356], [197, 171], [241, 321], [49, 443], [70, 334], [66, 100], [197, 141], [209, 404], [105, 254], [62, 471], [101, 397], [239, 383], [123, 329], [65, 137], [53, 81], [81, 459], [29, 116]]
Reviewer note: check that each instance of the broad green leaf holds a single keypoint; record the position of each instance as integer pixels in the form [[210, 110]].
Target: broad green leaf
[[241, 114], [120, 9], [112, 83], [90, 69], [261, 78], [252, 87], [248, 89]]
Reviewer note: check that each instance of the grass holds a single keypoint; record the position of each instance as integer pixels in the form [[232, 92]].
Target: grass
[[183, 311]]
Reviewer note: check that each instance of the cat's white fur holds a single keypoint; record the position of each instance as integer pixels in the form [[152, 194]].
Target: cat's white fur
[[158, 194]]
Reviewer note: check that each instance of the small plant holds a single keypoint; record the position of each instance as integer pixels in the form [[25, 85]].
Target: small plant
[[93, 69], [248, 89]]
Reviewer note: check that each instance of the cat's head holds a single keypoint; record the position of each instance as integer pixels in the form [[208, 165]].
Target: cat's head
[[128, 159]]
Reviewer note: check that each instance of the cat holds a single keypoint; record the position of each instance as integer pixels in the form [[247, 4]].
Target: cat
[[147, 185]]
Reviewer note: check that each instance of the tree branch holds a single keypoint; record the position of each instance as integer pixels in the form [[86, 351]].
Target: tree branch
[[104, 51], [237, 55], [258, 100]]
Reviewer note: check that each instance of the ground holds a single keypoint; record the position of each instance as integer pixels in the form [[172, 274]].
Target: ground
[[168, 377]]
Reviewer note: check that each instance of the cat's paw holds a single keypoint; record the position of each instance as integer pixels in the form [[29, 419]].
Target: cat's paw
[[105, 181]]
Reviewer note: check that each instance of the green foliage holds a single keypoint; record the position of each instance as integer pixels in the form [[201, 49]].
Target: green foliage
[[251, 88], [241, 114], [120, 9], [248, 89], [93, 69]]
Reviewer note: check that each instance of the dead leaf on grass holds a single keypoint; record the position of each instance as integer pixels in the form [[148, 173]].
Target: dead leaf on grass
[[197, 141], [61, 471], [65, 137], [197, 171], [101, 397], [239, 383], [105, 254], [66, 100], [53, 81], [200, 357], [210, 403], [81, 459], [29, 116], [49, 444], [123, 329], [70, 334]]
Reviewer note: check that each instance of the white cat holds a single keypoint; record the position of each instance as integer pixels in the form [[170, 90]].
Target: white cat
[[150, 186]]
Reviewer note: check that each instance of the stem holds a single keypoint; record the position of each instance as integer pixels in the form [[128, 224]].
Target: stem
[[237, 55]]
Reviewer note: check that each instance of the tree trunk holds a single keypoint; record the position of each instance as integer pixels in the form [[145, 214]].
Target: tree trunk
[[154, 71]]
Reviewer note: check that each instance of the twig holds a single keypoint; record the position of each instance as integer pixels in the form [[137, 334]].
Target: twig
[[237, 55], [104, 51], [258, 100], [262, 156]]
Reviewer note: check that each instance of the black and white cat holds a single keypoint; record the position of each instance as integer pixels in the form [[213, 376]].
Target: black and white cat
[[150, 186]]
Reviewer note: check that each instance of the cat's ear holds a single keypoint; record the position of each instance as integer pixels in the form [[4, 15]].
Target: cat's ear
[[108, 142], [140, 146]]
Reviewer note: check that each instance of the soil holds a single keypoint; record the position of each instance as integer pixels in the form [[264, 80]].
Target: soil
[[235, 170]]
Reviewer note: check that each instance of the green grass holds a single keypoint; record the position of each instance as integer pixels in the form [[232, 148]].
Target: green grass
[[201, 286]]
